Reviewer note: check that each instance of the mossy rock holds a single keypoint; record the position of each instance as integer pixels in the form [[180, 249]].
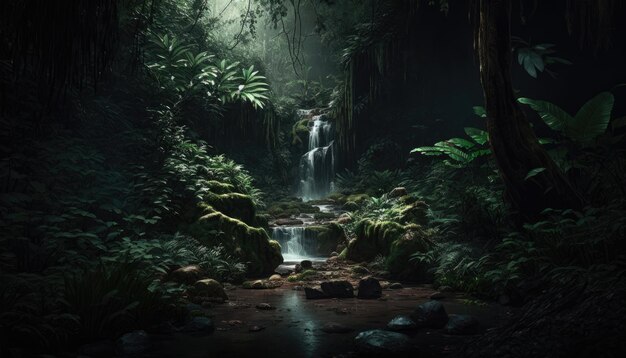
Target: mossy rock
[[413, 211], [303, 276], [250, 244], [337, 198], [324, 238], [235, 205], [324, 216], [287, 208], [219, 187], [415, 239], [300, 133], [373, 238], [359, 199]]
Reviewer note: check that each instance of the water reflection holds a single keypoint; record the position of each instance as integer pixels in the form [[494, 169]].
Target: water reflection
[[307, 326]]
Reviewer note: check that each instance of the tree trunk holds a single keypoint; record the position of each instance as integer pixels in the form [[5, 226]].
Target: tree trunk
[[514, 144]]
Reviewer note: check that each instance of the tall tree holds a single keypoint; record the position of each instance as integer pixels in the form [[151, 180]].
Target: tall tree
[[514, 144]]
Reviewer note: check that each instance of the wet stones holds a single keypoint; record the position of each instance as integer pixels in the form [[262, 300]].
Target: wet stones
[[306, 264], [288, 222], [396, 286], [314, 293], [431, 314], [265, 307], [209, 288], [401, 323], [369, 288], [187, 274], [338, 289], [461, 324], [378, 342]]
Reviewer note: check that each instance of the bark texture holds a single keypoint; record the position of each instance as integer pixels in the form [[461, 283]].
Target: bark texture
[[515, 146]]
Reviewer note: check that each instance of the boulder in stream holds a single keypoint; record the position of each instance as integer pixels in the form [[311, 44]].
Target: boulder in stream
[[378, 342], [461, 324], [314, 293], [338, 289], [209, 288], [430, 314], [369, 288], [401, 323]]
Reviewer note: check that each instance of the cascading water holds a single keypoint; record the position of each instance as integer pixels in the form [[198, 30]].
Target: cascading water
[[317, 166], [291, 239]]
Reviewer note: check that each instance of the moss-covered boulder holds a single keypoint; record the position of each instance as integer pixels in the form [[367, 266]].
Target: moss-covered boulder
[[287, 208], [359, 199], [235, 205], [325, 238], [373, 238], [300, 133], [411, 210], [415, 239], [250, 244]]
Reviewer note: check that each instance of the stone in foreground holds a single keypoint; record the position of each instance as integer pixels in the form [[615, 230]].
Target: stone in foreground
[[314, 293], [209, 288], [338, 289], [382, 343], [431, 314], [461, 324], [401, 323], [199, 325], [369, 288]]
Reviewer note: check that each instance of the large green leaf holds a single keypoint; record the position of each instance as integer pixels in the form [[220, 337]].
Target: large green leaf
[[555, 117], [592, 119], [479, 136]]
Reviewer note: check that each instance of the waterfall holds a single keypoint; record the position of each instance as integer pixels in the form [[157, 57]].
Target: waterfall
[[317, 166], [291, 239]]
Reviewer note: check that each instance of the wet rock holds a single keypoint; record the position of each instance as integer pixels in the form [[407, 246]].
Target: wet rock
[[187, 274], [288, 222], [306, 264], [265, 307], [298, 268], [333, 254], [283, 271], [131, 343], [378, 342], [445, 289], [338, 289], [437, 296], [397, 192], [369, 288], [199, 325], [431, 314], [360, 270], [396, 286], [402, 323], [256, 285], [209, 288], [314, 293], [333, 327], [275, 277], [100, 349], [461, 324]]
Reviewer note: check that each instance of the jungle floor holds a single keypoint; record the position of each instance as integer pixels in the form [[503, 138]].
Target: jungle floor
[[274, 318]]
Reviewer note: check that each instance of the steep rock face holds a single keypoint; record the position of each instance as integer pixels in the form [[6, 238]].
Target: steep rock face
[[250, 244]]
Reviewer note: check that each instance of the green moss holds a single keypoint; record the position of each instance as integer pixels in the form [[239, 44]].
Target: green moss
[[325, 237], [300, 132], [324, 216], [358, 198], [252, 245], [373, 238], [303, 276], [293, 207], [337, 198], [219, 187], [235, 205]]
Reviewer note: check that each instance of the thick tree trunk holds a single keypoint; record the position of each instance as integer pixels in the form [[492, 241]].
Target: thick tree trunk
[[514, 144]]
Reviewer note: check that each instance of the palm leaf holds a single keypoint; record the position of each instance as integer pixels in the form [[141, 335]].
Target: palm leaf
[[592, 119], [552, 115]]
